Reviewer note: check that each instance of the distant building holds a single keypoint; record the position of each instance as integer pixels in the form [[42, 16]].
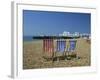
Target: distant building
[[76, 34], [66, 33], [85, 36]]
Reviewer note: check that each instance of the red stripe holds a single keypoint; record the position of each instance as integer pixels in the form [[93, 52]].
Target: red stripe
[[48, 45]]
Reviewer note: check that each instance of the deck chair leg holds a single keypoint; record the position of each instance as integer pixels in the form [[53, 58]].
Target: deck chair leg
[[66, 55], [53, 57], [63, 53], [77, 56], [57, 59]]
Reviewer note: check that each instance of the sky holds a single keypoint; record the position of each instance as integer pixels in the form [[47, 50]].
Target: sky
[[54, 23]]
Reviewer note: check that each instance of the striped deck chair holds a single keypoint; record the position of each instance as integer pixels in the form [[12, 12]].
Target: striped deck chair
[[48, 48], [60, 47], [71, 50]]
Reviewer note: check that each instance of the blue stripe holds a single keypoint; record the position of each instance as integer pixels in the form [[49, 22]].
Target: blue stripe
[[61, 45]]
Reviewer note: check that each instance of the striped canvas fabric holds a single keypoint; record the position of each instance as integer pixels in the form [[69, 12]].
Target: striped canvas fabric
[[48, 45], [61, 45], [72, 45]]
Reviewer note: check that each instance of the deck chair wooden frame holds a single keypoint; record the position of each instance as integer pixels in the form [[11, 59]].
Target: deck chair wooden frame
[[48, 49], [71, 49], [60, 48]]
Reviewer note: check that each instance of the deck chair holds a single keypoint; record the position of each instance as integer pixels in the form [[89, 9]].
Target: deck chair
[[48, 49], [71, 50], [60, 48]]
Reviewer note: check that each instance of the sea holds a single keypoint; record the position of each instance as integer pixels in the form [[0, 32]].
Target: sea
[[27, 38]]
